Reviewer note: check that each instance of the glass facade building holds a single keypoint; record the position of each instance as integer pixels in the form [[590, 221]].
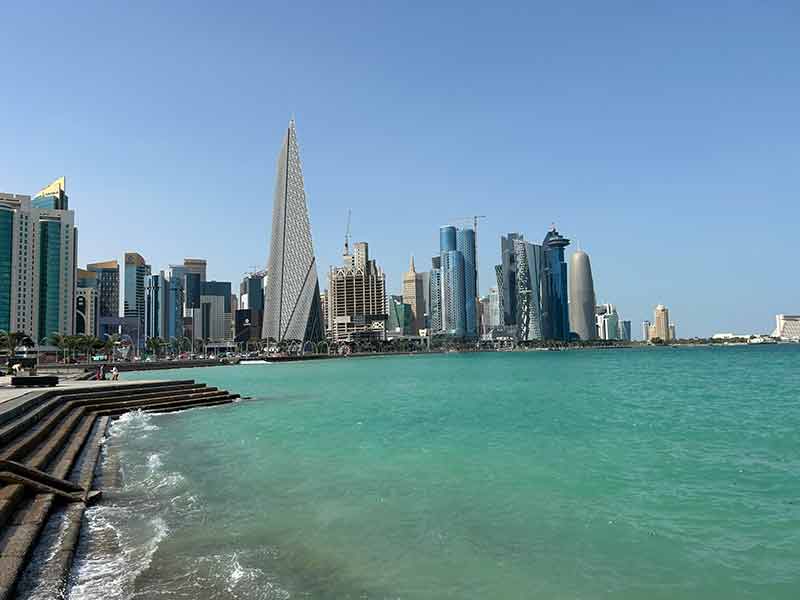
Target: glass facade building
[[465, 244], [53, 197], [107, 287], [458, 278], [555, 304], [6, 259], [49, 278], [528, 260], [400, 317]]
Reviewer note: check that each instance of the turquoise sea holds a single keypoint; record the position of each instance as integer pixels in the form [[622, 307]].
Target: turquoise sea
[[647, 473]]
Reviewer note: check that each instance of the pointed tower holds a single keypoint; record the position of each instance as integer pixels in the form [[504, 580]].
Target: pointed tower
[[414, 296], [292, 304]]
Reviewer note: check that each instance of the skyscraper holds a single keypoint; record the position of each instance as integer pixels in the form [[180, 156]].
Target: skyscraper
[[413, 296], [459, 312], [156, 288], [528, 262], [292, 298], [555, 307], [107, 287], [625, 331], [646, 326], [52, 197], [86, 317], [251, 295], [506, 273], [581, 296], [435, 295], [453, 299], [607, 321], [399, 323], [494, 319], [661, 323], [37, 260], [136, 273], [357, 298], [196, 265], [465, 244]]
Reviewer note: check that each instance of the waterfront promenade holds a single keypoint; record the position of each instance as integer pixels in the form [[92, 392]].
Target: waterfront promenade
[[50, 442]]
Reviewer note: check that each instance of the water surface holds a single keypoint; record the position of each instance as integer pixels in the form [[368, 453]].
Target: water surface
[[664, 473]]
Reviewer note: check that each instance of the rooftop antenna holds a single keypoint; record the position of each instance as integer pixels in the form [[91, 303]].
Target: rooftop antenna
[[347, 233]]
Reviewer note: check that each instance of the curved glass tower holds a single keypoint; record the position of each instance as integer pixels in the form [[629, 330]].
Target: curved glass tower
[[292, 308], [555, 307], [581, 296]]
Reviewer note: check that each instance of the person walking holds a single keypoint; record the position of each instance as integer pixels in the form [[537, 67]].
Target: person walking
[[114, 374]]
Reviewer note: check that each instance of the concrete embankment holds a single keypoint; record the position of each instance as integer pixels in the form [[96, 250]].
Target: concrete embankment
[[49, 448]]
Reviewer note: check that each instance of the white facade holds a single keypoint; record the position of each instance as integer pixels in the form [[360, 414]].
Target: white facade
[[27, 281], [607, 321], [787, 327], [86, 311]]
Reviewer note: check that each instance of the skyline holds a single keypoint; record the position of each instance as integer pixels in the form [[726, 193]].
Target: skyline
[[655, 180]]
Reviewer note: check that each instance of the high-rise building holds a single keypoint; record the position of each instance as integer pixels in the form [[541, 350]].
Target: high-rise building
[[413, 296], [435, 295], [176, 313], [646, 326], [506, 273], [465, 244], [196, 265], [787, 327], [212, 321], [86, 303], [251, 296], [527, 273], [485, 307], [625, 331], [401, 318], [136, 273], [37, 263], [459, 316], [52, 197], [581, 296], [357, 298], [660, 326], [107, 287], [672, 332], [495, 310], [607, 322], [292, 300], [555, 306], [156, 301], [323, 304]]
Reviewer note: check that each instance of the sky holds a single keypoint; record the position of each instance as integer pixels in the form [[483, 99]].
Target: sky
[[663, 138]]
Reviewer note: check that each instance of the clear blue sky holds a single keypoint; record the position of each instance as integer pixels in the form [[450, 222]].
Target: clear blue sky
[[666, 139]]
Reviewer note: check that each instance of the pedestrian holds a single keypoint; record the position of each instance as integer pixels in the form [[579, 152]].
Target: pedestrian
[[114, 374]]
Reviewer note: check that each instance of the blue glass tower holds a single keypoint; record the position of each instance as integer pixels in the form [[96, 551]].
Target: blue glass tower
[[455, 309], [555, 305], [458, 279], [465, 243]]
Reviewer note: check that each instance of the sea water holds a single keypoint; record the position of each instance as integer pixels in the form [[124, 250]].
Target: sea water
[[648, 473]]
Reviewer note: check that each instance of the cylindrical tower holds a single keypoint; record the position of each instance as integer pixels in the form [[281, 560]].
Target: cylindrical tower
[[581, 296]]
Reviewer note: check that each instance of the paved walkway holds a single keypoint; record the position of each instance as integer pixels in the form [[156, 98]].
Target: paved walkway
[[8, 393]]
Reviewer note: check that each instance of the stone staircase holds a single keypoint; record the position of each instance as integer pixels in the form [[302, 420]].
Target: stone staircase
[[49, 449]]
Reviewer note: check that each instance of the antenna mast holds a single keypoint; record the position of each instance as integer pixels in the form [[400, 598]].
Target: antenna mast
[[347, 233]]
